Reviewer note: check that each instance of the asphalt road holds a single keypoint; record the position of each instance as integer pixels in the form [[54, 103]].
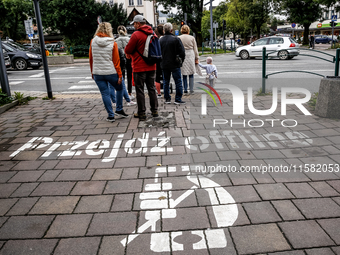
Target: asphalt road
[[231, 70]]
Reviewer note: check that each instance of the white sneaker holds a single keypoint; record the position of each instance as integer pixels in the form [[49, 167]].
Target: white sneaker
[[159, 96], [131, 103], [131, 97], [114, 104]]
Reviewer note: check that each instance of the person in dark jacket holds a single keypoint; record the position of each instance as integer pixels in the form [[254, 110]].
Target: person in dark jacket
[[173, 55], [142, 72]]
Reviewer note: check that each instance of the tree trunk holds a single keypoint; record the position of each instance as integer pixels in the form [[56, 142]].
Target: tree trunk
[[306, 34]]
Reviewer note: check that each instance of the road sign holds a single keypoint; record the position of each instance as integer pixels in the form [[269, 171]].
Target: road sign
[[319, 25], [334, 17], [293, 25], [29, 26], [176, 32], [215, 25]]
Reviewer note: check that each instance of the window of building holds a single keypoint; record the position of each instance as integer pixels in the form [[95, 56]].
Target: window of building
[[131, 2], [103, 1], [139, 2]]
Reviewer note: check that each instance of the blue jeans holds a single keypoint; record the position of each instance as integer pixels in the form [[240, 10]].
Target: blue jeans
[[125, 93], [104, 83], [191, 82], [176, 74]]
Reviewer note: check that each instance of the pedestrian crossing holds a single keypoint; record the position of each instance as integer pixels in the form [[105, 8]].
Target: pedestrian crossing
[[86, 86]]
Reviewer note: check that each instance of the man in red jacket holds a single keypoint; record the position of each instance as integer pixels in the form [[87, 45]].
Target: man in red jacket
[[142, 72]]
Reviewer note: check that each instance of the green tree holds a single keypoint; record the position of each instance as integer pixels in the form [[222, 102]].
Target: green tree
[[77, 19], [13, 13], [302, 12], [258, 14], [193, 9]]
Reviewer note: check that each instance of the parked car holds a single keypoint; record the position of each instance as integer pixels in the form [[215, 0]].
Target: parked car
[[229, 43], [334, 38], [7, 59], [280, 46], [21, 58], [322, 39], [55, 47], [32, 47]]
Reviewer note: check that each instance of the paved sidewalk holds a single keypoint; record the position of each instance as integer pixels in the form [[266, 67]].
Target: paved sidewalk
[[72, 183]]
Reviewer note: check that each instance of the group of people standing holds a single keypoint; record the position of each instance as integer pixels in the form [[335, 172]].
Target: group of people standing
[[179, 59]]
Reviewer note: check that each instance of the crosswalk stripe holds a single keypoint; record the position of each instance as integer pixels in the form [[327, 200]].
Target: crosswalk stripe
[[15, 82], [83, 87]]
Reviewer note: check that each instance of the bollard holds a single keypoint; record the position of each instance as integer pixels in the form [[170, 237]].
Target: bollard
[[264, 58], [337, 59]]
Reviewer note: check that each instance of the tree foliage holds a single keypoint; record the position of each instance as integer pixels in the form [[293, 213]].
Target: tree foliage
[[77, 19], [193, 9], [13, 13], [302, 12]]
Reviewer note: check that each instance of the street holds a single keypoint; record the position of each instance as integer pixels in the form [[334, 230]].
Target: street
[[231, 70]]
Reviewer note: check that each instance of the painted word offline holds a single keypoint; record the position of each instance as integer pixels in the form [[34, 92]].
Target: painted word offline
[[224, 210], [108, 150]]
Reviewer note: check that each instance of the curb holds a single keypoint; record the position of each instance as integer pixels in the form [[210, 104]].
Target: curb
[[6, 107]]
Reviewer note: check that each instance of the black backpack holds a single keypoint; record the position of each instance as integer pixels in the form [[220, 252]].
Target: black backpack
[[152, 51]]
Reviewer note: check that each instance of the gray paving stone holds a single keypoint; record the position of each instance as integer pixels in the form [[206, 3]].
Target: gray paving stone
[[302, 190], [49, 164], [113, 223], [205, 157], [69, 225], [243, 194], [5, 176], [6, 204], [49, 176], [22, 227], [89, 188], [287, 210], [141, 245], [111, 245], [53, 189], [130, 173], [288, 253], [320, 251], [72, 164], [24, 190], [130, 162], [262, 212], [7, 189], [180, 183], [3, 220], [93, 204], [98, 163], [176, 159], [318, 207], [336, 250], [273, 191], [7, 165], [29, 247], [77, 246], [107, 174], [28, 165], [263, 178], [321, 176], [290, 176], [75, 175], [331, 226], [258, 239], [55, 205], [122, 202], [186, 219], [27, 176], [23, 206], [305, 234], [242, 178], [335, 184], [324, 189], [123, 186]]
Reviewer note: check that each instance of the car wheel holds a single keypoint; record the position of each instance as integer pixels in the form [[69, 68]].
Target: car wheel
[[20, 64], [244, 54], [283, 55]]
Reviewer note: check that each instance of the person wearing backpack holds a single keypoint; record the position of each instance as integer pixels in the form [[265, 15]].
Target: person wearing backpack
[[142, 71], [173, 55]]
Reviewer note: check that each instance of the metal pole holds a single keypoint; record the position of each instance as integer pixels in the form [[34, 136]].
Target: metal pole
[[264, 57], [337, 59], [211, 27], [185, 18], [332, 34], [215, 38], [3, 74], [223, 42], [202, 48], [42, 47]]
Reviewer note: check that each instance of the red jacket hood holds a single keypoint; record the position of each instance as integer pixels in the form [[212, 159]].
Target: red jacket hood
[[147, 29]]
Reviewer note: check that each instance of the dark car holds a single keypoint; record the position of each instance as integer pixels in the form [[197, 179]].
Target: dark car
[[21, 58], [7, 59], [322, 39], [33, 47]]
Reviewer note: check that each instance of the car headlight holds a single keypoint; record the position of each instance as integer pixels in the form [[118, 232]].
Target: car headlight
[[32, 55]]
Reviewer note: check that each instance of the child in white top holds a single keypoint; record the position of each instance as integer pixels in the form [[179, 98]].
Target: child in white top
[[211, 72]]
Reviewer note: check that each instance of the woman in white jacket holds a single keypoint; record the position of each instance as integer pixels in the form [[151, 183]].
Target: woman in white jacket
[[191, 58]]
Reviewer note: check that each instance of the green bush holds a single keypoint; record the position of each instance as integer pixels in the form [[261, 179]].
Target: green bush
[[80, 50], [4, 99]]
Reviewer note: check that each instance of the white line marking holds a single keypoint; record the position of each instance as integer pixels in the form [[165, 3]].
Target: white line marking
[[83, 87], [15, 82]]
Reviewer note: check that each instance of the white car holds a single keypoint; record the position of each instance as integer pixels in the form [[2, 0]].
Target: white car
[[280, 46], [229, 43]]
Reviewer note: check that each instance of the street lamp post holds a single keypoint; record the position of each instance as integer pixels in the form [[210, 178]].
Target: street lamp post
[[211, 26]]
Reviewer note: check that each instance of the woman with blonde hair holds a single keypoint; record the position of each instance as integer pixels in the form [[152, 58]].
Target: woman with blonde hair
[[105, 68], [191, 58]]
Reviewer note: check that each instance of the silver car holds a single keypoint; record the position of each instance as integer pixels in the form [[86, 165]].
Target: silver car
[[277, 46], [230, 43]]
